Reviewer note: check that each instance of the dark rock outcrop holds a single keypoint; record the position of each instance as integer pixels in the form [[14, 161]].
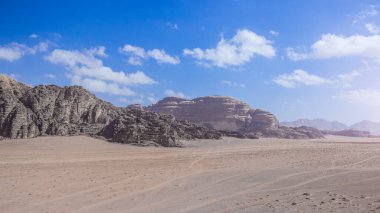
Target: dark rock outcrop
[[231, 116], [27, 112]]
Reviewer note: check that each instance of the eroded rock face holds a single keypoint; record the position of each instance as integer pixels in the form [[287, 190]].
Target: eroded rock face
[[27, 112], [228, 114]]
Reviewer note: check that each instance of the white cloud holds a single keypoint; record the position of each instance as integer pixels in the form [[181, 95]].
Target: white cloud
[[299, 77], [86, 69], [129, 49], [138, 54], [275, 33], [161, 57], [15, 51], [362, 96], [336, 46], [234, 52], [172, 26], [11, 53], [33, 36], [372, 28], [234, 84], [171, 93]]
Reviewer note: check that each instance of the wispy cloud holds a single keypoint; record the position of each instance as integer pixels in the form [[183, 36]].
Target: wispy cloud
[[33, 36], [372, 28], [172, 26], [371, 11], [275, 33], [171, 93], [299, 77], [236, 51], [14, 51], [138, 54]]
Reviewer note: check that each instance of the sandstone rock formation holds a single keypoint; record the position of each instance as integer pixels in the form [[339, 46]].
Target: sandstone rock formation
[[222, 113], [27, 112], [229, 114]]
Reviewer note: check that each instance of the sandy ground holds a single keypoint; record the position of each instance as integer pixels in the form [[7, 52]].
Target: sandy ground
[[82, 174]]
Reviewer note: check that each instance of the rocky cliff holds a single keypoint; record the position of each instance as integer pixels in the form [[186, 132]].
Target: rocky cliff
[[27, 112], [229, 114]]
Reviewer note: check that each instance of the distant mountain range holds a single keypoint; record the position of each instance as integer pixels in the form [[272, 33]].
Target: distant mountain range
[[372, 127], [321, 124]]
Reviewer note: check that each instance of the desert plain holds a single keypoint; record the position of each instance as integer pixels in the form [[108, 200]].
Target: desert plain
[[83, 174]]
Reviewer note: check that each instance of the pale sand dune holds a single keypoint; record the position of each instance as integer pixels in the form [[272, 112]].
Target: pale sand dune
[[82, 174]]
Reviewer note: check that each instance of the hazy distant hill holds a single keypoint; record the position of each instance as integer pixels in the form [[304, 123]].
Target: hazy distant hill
[[372, 127], [369, 126], [320, 124]]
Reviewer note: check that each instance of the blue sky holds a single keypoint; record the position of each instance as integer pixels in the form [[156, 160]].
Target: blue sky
[[297, 59]]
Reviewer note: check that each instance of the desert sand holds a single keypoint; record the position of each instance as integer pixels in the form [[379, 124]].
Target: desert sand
[[82, 174]]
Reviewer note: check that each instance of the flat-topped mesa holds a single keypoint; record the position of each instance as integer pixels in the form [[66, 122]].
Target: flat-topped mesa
[[228, 114], [222, 113], [27, 112]]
